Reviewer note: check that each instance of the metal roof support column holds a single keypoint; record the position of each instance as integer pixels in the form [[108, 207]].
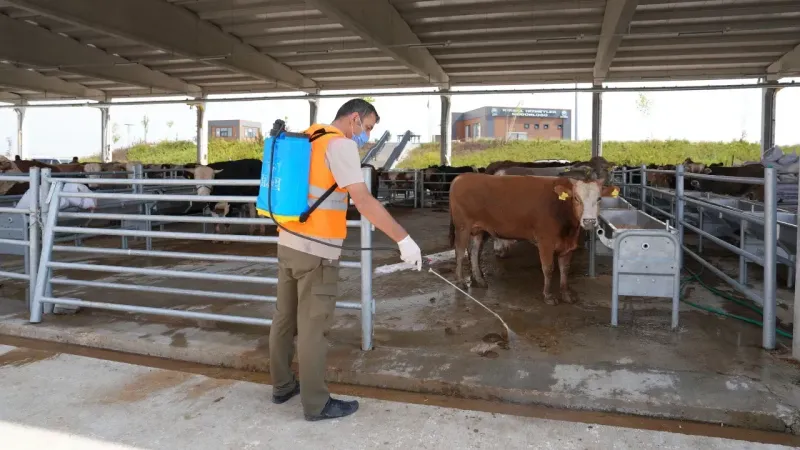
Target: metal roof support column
[[796, 324], [597, 121], [446, 139], [313, 106], [105, 131], [20, 126], [202, 132], [768, 104]]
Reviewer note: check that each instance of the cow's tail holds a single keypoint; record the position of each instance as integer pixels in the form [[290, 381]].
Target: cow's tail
[[452, 232]]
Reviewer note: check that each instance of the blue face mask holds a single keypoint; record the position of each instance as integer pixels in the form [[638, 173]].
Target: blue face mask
[[361, 139]]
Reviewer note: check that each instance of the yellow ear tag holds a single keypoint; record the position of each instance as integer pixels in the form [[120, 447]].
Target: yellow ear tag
[[563, 196], [615, 193]]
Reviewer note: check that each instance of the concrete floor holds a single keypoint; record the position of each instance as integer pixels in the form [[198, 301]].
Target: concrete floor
[[60, 401], [430, 339]]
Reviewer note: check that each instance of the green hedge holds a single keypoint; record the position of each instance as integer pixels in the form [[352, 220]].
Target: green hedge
[[480, 153]]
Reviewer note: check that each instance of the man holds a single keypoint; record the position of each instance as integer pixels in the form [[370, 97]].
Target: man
[[308, 269]]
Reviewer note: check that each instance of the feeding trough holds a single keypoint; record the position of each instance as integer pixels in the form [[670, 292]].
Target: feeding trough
[[646, 255]]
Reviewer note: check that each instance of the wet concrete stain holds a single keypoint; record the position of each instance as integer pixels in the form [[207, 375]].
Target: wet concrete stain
[[179, 340], [205, 386], [146, 385], [23, 356]]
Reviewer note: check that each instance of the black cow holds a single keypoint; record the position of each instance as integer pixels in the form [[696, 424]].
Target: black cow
[[243, 169]]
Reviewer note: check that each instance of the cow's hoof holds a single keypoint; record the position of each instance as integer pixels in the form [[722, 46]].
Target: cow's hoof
[[479, 283], [549, 299], [569, 297]]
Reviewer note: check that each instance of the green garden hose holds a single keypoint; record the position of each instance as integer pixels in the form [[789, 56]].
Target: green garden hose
[[717, 292]]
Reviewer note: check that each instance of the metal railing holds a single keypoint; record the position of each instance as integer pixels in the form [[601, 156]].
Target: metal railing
[[766, 219], [43, 299], [21, 230], [397, 151], [400, 187], [376, 149]]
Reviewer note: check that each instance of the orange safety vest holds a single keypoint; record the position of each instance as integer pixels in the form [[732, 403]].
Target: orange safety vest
[[329, 220]]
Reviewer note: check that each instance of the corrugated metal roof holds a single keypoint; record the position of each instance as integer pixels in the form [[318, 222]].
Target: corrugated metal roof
[[190, 47]]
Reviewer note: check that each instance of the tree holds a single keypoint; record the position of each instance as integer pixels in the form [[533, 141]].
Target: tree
[[170, 123], [368, 99], [115, 137], [645, 107], [512, 123], [8, 151], [145, 126]]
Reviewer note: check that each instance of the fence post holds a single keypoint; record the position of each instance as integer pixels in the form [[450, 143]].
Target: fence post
[[642, 190], [44, 195], [42, 278], [625, 176], [367, 302], [33, 232], [679, 207], [770, 251], [416, 187]]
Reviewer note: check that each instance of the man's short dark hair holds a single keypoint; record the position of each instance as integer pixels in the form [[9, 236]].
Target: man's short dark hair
[[359, 105]]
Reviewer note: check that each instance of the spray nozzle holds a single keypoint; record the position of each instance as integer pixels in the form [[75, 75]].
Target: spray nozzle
[[277, 127]]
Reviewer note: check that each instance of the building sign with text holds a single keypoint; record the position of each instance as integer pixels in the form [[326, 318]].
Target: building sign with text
[[530, 112]]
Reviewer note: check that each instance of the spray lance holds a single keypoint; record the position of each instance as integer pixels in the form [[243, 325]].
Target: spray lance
[[284, 188], [507, 333]]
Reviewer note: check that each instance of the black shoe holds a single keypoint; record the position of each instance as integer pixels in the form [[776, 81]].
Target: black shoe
[[280, 399], [334, 409]]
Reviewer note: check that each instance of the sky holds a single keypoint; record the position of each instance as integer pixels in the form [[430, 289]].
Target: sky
[[722, 115]]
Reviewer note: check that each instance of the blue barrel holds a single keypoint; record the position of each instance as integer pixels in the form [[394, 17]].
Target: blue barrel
[[291, 169]]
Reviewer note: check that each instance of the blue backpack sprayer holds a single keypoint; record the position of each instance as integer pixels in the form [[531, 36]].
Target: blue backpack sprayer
[[285, 175], [283, 191]]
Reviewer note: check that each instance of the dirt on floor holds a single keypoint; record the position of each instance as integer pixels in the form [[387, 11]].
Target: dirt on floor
[[417, 311]]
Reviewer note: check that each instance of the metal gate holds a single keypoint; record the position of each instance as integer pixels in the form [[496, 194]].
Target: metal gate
[[43, 300]]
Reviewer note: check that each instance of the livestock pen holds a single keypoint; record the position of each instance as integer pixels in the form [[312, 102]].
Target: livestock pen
[[190, 298]]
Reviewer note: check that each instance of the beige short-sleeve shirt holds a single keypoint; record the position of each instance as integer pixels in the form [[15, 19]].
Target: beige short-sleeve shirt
[[344, 162]]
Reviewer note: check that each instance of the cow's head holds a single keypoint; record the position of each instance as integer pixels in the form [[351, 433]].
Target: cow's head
[[94, 169], [584, 195], [610, 191], [427, 174], [693, 167], [221, 209], [6, 164], [203, 173]]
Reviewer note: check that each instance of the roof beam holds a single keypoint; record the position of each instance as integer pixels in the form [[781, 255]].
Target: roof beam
[[21, 42], [33, 81], [9, 97], [377, 21], [616, 20], [171, 28], [787, 65]]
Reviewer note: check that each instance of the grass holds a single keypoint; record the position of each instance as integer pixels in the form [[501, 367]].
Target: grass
[[182, 152], [479, 153]]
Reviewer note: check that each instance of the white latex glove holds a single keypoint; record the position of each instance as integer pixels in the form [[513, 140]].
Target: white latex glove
[[410, 252]]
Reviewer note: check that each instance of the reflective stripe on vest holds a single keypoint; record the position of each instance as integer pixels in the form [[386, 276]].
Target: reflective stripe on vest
[[329, 220], [336, 201]]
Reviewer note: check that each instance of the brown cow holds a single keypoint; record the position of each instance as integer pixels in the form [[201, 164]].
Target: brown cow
[[547, 211]]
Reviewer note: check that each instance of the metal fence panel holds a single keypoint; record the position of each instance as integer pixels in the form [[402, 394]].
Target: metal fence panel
[[42, 298]]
